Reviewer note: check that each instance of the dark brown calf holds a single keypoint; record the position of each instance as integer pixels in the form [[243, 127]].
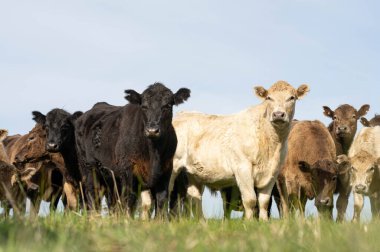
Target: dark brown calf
[[310, 170], [343, 129]]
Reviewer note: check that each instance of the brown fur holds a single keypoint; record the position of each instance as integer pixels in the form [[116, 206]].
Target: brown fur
[[309, 143], [29, 151], [3, 153]]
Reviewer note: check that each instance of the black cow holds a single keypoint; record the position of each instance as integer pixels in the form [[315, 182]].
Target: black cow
[[60, 137], [130, 145]]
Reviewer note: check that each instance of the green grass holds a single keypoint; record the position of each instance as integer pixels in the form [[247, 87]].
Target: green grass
[[74, 233]]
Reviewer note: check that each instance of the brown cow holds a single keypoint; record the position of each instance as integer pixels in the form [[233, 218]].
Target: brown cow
[[343, 129], [372, 123], [13, 183], [310, 169], [25, 151]]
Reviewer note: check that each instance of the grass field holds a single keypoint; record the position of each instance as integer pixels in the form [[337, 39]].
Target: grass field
[[75, 233]]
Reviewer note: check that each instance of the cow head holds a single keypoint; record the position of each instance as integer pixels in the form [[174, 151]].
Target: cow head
[[156, 103], [59, 126], [324, 174], [281, 101], [35, 147], [345, 119], [363, 168], [372, 123]]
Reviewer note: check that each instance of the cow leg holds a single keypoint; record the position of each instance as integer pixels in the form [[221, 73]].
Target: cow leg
[[161, 196], [358, 206], [194, 191], [264, 197], [245, 183], [283, 200], [146, 205], [341, 205], [375, 206], [227, 201], [70, 194], [179, 193]]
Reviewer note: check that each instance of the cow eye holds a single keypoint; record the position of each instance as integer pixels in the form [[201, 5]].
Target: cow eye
[[269, 98], [292, 98], [335, 117], [144, 107], [354, 116], [166, 107], [372, 169], [334, 178], [30, 139], [353, 169]]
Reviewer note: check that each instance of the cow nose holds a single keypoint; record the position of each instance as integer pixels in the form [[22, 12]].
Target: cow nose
[[360, 188], [343, 128], [325, 202], [52, 146], [17, 159], [278, 115], [152, 131]]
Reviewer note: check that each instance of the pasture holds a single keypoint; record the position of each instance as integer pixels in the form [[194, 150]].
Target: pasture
[[70, 232]]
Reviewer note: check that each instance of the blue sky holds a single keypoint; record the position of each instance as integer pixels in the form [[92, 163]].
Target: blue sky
[[72, 54]]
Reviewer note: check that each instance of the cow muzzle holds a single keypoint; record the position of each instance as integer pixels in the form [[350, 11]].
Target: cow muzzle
[[153, 132], [279, 118], [52, 147], [327, 202], [342, 130], [361, 189]]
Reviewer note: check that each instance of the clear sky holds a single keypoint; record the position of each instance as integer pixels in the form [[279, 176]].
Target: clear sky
[[72, 54]]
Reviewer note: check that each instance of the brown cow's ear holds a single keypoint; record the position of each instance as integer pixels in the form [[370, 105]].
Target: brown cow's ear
[[343, 164], [302, 91], [365, 122], [304, 167], [363, 110], [133, 97], [181, 96], [3, 134], [261, 92], [328, 112], [38, 117]]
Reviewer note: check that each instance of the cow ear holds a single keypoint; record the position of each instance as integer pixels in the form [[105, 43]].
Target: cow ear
[[261, 92], [3, 134], [328, 112], [181, 96], [133, 97], [363, 110], [343, 164], [76, 115], [302, 91], [38, 117], [304, 167], [365, 122]]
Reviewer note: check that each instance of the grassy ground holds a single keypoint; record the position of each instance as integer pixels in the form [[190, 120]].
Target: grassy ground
[[74, 233]]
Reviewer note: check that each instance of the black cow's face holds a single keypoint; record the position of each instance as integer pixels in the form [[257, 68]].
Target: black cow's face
[[156, 104], [59, 128], [345, 119]]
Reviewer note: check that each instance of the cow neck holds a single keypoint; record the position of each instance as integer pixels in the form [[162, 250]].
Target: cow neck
[[342, 144], [155, 148]]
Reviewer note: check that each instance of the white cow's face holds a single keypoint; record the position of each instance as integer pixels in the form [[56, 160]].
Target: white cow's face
[[364, 167], [281, 101]]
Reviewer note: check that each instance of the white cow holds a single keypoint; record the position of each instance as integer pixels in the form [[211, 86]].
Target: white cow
[[245, 149], [364, 161]]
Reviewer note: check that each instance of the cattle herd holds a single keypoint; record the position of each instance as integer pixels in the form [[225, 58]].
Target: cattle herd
[[123, 153]]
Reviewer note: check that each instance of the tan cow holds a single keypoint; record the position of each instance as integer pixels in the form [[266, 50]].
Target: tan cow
[[364, 160], [310, 170], [245, 149]]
